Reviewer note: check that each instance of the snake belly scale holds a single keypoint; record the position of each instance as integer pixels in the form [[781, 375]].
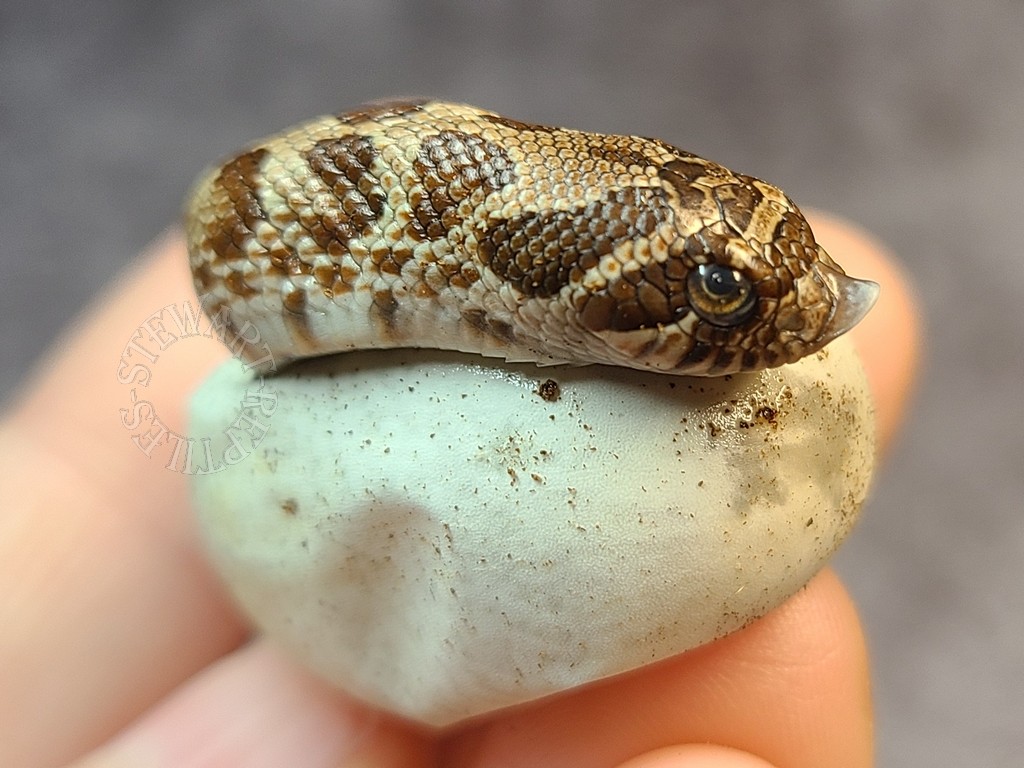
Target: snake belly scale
[[429, 224]]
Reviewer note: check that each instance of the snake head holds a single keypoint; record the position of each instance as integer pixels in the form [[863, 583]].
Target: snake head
[[734, 281]]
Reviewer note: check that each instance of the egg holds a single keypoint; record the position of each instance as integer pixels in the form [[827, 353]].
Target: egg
[[443, 536]]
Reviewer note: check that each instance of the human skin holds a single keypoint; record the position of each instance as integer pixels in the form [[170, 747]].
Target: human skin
[[119, 647]]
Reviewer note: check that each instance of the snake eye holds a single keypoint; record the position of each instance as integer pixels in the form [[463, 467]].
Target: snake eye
[[720, 295]]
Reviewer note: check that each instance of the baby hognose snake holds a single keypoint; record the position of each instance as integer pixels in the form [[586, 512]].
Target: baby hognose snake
[[428, 224]]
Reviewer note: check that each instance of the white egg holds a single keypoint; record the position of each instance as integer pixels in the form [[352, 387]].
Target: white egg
[[443, 535]]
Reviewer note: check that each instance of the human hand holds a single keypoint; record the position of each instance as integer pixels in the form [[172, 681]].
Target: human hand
[[115, 631]]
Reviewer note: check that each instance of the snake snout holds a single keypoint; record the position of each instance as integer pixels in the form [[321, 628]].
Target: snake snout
[[854, 298]]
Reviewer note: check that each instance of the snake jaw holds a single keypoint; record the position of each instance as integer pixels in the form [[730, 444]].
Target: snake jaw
[[853, 299]]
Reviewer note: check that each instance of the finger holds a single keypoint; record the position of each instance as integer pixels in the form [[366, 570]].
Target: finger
[[105, 598], [792, 689], [255, 708], [696, 756]]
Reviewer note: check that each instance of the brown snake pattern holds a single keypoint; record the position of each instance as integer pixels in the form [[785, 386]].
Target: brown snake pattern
[[428, 224]]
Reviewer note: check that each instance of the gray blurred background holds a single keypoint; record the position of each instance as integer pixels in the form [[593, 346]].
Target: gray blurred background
[[907, 117]]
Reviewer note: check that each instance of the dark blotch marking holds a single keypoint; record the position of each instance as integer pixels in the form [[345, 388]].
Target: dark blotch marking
[[684, 173], [296, 317], [379, 110], [385, 306], [295, 302], [452, 165], [736, 203], [290, 507], [597, 312], [549, 390], [770, 357], [541, 252], [507, 122], [685, 169], [724, 358], [697, 354], [228, 234], [203, 277], [480, 320], [220, 319], [344, 166]]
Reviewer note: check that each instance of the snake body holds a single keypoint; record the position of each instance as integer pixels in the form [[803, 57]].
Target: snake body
[[429, 224]]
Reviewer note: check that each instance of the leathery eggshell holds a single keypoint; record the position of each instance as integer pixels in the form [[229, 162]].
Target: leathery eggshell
[[443, 535]]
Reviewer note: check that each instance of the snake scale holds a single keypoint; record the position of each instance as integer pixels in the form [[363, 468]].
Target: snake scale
[[430, 224]]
